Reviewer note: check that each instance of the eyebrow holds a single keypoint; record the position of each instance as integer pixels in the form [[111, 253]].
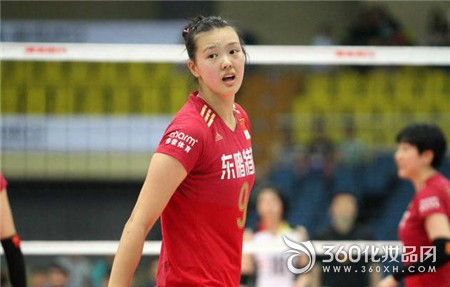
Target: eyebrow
[[215, 46]]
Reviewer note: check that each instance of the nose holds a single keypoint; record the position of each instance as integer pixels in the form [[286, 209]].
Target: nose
[[397, 155], [226, 63]]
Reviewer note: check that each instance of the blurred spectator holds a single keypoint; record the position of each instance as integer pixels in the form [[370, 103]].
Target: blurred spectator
[[38, 277], [152, 270], [351, 151], [79, 269], [344, 212], [289, 162], [105, 279], [343, 226], [100, 269], [376, 26], [284, 147], [438, 31], [351, 157], [321, 150], [271, 269], [58, 276], [324, 37]]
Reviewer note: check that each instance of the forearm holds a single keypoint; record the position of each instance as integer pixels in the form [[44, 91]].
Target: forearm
[[15, 260], [128, 255], [442, 257]]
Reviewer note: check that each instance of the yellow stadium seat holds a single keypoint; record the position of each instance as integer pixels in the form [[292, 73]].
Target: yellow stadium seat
[[88, 100], [36, 100], [121, 101], [179, 92], [150, 100], [64, 101], [52, 73], [78, 73], [9, 99]]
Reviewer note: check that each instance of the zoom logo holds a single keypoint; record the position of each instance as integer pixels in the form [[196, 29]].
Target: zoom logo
[[300, 249]]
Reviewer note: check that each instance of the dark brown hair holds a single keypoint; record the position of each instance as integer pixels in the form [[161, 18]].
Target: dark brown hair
[[425, 136], [201, 24]]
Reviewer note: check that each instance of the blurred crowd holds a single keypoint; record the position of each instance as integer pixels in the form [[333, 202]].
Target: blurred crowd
[[81, 271], [375, 25]]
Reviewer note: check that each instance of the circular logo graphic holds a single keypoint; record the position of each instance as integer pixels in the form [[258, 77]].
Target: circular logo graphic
[[299, 249]]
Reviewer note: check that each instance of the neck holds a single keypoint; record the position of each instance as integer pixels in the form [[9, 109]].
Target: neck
[[343, 228], [223, 106], [423, 176]]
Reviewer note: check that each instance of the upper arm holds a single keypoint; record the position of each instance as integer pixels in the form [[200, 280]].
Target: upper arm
[[164, 175], [433, 208], [437, 225]]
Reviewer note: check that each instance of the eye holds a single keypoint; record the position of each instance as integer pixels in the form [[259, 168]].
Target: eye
[[234, 51], [212, 56]]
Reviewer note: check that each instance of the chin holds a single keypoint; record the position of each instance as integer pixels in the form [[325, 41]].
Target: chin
[[230, 93], [403, 175]]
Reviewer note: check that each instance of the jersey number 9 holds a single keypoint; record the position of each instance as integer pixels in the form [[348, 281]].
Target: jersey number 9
[[242, 205]]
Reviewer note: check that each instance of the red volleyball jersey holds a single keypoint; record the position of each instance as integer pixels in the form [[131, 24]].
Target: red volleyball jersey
[[434, 197], [3, 182], [203, 223]]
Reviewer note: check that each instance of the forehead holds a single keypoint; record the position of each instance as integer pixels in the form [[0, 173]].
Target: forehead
[[267, 194], [344, 200], [405, 144], [217, 37]]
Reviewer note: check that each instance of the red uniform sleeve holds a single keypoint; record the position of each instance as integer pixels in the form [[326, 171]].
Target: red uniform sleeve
[[183, 140], [3, 182], [432, 200]]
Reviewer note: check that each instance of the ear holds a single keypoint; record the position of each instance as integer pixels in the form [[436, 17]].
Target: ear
[[428, 156], [193, 68]]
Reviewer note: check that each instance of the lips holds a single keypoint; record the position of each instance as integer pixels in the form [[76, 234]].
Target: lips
[[228, 78]]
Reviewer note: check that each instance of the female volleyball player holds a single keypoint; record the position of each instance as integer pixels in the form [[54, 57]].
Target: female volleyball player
[[200, 176], [271, 269], [425, 225], [10, 239]]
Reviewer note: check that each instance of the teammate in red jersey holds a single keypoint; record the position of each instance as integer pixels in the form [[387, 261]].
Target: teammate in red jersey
[[425, 224], [200, 176], [10, 239]]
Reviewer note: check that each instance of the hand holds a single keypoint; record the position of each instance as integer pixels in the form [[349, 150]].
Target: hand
[[388, 281]]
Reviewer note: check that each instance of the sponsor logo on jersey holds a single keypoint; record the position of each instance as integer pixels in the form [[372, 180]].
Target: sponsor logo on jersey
[[181, 140], [428, 203], [218, 137], [238, 164]]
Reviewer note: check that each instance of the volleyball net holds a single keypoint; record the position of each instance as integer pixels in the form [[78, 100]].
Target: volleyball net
[[152, 248], [258, 54]]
